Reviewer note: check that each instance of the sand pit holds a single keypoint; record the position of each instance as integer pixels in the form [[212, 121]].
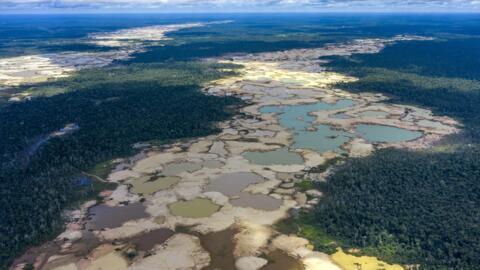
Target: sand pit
[[196, 208], [110, 261], [104, 216], [30, 69], [179, 252], [147, 185], [350, 262]]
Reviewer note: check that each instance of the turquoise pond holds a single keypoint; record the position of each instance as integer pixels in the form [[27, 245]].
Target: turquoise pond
[[297, 117], [325, 138], [381, 133], [306, 134], [322, 137]]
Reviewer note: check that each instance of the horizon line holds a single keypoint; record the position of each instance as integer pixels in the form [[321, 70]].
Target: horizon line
[[122, 12]]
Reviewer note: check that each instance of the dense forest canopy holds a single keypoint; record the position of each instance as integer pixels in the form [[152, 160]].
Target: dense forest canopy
[[453, 58]]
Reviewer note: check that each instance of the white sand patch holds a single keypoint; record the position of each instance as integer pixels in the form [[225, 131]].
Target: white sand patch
[[200, 147], [122, 175], [181, 251], [318, 260], [39, 68], [263, 187], [29, 69], [359, 148], [250, 263], [216, 197], [70, 266], [251, 238], [298, 248], [154, 163], [128, 229], [148, 33], [122, 194], [218, 148], [112, 260]]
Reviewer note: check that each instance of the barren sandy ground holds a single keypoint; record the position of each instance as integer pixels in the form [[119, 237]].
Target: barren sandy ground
[[29, 69]]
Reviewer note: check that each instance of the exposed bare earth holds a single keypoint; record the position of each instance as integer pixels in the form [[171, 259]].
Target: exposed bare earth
[[15, 71], [266, 79]]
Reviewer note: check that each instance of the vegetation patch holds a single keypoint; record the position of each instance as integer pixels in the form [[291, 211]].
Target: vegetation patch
[[305, 185], [327, 164], [304, 225]]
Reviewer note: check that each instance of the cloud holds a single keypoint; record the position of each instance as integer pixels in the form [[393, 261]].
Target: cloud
[[260, 5]]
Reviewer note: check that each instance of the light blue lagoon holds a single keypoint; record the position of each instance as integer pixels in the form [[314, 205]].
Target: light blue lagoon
[[297, 117], [325, 138], [306, 134], [381, 133], [322, 137]]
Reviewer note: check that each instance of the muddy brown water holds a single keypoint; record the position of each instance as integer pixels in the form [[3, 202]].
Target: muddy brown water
[[281, 156], [232, 184], [148, 186], [104, 216], [59, 263], [89, 242], [149, 240], [48, 249], [85, 245], [196, 208], [220, 246], [175, 168], [212, 164], [279, 260], [80, 248], [257, 201]]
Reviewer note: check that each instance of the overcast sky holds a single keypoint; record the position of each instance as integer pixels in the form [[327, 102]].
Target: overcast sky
[[239, 5]]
